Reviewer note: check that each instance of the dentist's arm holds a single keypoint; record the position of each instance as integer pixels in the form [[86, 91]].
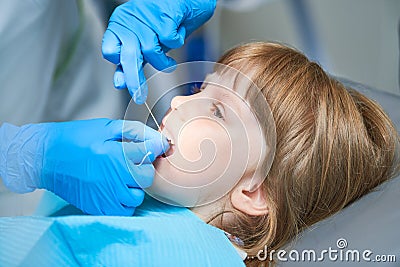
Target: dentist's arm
[[83, 162], [143, 31]]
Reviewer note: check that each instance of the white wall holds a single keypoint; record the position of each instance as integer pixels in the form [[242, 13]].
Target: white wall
[[359, 37]]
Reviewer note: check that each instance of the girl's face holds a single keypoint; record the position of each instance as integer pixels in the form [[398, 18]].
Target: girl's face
[[216, 140]]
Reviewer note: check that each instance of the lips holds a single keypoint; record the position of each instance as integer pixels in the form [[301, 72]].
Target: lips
[[170, 151], [171, 142]]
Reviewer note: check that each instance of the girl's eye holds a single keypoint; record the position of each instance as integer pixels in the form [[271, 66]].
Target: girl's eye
[[217, 112]]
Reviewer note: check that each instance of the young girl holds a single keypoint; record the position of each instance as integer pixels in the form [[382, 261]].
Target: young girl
[[332, 146], [259, 161]]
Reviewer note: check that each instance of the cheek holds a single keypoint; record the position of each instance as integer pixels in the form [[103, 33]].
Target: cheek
[[203, 152], [204, 140], [207, 162]]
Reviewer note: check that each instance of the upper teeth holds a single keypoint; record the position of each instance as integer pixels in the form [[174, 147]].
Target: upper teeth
[[166, 134]]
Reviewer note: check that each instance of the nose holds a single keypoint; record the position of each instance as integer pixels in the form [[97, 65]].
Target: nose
[[177, 101]]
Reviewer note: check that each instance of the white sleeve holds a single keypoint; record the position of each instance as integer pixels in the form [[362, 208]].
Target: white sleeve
[[30, 43], [51, 67]]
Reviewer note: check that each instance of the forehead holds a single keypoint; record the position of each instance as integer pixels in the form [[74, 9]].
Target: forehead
[[232, 80]]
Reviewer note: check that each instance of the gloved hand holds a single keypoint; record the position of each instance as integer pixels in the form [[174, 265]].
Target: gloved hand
[[144, 30], [83, 162]]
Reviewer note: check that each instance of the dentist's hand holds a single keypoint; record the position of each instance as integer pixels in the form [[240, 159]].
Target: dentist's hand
[[83, 162], [142, 31]]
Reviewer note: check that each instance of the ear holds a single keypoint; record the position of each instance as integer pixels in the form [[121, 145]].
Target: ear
[[250, 202]]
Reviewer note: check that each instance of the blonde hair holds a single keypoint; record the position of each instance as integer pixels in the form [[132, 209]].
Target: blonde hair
[[333, 145]]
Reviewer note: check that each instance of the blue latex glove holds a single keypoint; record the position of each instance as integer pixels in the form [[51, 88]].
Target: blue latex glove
[[143, 31], [83, 162]]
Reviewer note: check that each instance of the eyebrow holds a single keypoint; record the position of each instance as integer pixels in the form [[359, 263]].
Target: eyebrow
[[232, 97], [230, 101]]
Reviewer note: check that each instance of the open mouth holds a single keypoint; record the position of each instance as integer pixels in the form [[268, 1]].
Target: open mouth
[[171, 142], [170, 151]]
